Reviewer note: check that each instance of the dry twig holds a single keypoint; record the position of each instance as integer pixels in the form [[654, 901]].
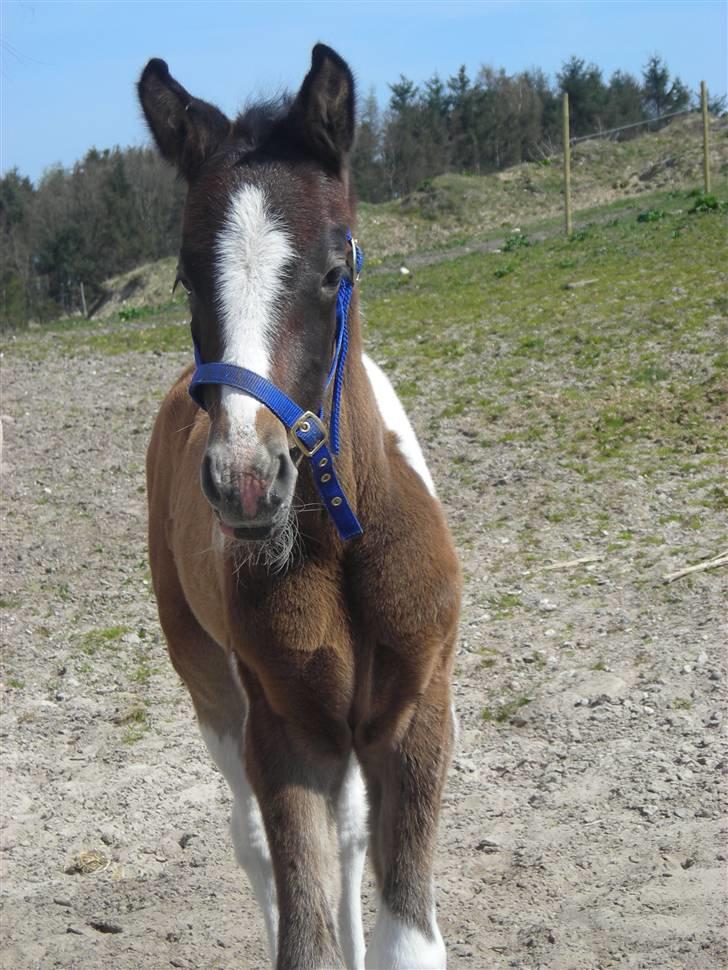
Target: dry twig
[[720, 560], [570, 563], [578, 284]]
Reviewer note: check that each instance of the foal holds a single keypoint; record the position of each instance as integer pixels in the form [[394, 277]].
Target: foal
[[315, 652]]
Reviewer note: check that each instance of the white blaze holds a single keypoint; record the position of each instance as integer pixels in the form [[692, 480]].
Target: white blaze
[[252, 250]]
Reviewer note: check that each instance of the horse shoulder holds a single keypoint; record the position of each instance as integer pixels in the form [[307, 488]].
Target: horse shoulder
[[172, 427], [183, 540], [405, 577]]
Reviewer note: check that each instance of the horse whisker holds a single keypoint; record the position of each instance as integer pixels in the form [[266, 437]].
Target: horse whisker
[[276, 555]]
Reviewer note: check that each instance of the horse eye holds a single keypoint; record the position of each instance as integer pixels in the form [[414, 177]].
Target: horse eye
[[180, 278], [333, 277]]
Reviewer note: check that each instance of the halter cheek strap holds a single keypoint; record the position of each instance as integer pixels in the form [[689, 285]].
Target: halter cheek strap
[[306, 430]]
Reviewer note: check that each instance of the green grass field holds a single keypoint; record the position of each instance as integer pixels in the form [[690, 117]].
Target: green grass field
[[623, 376], [613, 339]]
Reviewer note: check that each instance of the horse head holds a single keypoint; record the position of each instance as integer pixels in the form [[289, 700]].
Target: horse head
[[263, 253]]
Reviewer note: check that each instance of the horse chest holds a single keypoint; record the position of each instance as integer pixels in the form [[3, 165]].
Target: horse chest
[[294, 633]]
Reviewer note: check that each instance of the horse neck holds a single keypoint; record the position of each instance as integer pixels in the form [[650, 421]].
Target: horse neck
[[361, 462], [362, 458]]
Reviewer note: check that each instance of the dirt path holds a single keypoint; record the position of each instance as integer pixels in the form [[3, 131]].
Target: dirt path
[[582, 826], [429, 257]]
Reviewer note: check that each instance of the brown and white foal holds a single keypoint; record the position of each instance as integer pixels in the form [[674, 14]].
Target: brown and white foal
[[319, 669]]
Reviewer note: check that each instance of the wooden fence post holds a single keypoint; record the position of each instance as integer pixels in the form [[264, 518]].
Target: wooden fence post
[[706, 155], [567, 163], [83, 302]]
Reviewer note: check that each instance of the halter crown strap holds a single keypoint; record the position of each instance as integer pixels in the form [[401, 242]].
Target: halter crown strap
[[306, 430]]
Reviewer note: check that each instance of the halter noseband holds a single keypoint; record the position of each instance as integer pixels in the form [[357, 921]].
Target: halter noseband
[[306, 430]]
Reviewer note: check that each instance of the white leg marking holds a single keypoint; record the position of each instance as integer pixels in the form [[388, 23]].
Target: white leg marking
[[351, 818], [396, 420], [252, 250], [396, 946], [246, 826]]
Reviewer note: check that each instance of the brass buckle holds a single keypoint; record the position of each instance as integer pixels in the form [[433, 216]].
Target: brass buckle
[[304, 424]]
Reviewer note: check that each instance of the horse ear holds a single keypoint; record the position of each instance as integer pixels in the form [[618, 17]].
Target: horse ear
[[186, 130], [324, 107]]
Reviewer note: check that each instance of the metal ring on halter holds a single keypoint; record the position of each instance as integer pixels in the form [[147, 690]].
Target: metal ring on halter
[[354, 274]]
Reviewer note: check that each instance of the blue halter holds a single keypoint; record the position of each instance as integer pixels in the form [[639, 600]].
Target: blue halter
[[306, 430]]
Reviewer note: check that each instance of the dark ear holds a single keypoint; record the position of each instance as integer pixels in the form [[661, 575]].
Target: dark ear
[[186, 130], [324, 107]]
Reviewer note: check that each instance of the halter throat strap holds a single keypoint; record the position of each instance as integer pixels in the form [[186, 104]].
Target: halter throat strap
[[306, 431]]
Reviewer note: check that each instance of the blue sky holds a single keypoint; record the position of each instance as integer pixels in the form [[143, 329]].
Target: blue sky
[[68, 68]]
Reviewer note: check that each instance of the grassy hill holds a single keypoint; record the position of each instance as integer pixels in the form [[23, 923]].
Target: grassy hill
[[453, 208], [456, 209]]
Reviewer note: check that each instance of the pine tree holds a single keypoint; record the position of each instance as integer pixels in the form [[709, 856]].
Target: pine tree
[[624, 102], [659, 96], [367, 160], [587, 95], [16, 203]]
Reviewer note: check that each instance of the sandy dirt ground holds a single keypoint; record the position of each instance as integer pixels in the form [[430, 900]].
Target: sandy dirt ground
[[582, 826]]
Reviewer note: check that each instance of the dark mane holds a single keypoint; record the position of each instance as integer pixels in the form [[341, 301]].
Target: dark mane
[[255, 124]]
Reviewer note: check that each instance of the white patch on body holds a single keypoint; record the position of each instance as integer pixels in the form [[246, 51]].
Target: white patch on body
[[351, 820], [455, 725], [397, 946], [246, 826], [252, 250], [395, 419]]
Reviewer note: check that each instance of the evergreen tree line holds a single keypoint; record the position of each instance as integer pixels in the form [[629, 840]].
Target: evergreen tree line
[[495, 120], [118, 208]]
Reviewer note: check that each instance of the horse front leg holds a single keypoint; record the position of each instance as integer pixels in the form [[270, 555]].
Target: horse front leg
[[221, 707], [405, 777], [246, 825], [296, 783], [351, 820]]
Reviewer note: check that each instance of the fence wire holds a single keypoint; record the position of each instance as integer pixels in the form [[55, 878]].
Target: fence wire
[[634, 124]]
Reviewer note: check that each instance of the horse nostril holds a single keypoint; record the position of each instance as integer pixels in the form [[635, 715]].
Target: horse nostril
[[286, 469], [209, 486]]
